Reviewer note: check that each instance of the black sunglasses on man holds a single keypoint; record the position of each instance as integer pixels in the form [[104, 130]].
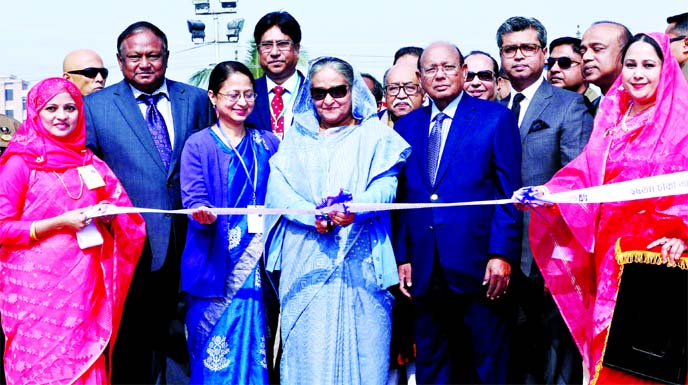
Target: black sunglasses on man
[[91, 72]]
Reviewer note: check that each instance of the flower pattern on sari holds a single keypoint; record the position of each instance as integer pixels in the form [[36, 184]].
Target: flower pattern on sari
[[218, 349]]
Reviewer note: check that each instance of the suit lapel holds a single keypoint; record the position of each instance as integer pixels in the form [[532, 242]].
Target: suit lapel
[[537, 105], [421, 137], [180, 116], [460, 125], [127, 105], [263, 107]]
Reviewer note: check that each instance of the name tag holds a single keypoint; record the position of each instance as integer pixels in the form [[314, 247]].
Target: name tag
[[91, 177], [89, 236], [255, 221]]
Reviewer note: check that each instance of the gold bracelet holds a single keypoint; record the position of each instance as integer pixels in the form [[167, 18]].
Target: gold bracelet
[[32, 232]]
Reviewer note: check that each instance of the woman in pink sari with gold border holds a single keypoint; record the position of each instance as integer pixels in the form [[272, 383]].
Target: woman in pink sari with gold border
[[640, 130], [61, 305]]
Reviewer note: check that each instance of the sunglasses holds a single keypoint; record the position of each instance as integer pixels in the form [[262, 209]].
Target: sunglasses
[[91, 72], [485, 76], [336, 92], [677, 38], [564, 62]]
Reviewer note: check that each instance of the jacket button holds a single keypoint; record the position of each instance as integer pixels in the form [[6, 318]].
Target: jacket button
[[434, 197]]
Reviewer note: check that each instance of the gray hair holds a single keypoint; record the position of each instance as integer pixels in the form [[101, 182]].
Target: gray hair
[[337, 65], [520, 23]]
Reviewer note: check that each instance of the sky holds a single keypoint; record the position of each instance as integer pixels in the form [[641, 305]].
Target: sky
[[35, 35]]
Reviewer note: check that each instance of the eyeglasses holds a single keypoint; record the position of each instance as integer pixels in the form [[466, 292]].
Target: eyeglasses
[[91, 72], [449, 69], [484, 76], [677, 38], [234, 97], [337, 92], [509, 51], [282, 45], [409, 89], [564, 62]]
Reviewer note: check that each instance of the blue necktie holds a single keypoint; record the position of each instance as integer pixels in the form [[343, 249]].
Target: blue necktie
[[434, 143], [157, 127]]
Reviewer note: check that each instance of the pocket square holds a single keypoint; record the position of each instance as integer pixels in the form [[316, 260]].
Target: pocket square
[[538, 125]]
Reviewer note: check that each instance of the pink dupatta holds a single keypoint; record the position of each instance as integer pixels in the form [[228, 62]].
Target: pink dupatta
[[61, 305], [574, 243]]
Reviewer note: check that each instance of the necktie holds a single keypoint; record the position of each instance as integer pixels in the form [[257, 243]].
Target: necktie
[[157, 127], [434, 143], [516, 105], [277, 106]]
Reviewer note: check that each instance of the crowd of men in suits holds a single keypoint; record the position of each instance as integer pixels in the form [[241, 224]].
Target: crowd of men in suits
[[521, 118]]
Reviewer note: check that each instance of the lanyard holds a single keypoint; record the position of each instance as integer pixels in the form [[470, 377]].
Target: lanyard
[[255, 160]]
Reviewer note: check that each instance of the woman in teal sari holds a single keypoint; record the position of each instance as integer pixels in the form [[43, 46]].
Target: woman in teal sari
[[226, 165], [335, 307]]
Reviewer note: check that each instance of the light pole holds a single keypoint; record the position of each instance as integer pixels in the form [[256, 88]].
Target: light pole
[[215, 9]]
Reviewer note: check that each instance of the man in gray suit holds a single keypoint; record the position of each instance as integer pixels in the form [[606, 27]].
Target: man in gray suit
[[555, 126], [119, 131]]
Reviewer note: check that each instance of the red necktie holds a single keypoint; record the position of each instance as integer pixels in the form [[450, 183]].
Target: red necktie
[[277, 105]]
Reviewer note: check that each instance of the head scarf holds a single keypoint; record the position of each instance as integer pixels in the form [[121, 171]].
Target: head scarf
[[306, 119], [665, 127], [40, 149], [563, 243]]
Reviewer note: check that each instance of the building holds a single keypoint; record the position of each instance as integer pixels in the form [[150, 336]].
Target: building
[[13, 96]]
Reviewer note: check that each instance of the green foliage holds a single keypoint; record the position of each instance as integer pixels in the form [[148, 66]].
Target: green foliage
[[251, 60], [200, 77]]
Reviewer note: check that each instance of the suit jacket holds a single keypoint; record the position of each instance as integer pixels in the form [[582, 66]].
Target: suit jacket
[[260, 117], [555, 128], [117, 132], [481, 160]]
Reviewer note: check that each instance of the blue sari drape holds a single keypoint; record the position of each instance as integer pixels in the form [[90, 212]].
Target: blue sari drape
[[335, 307], [227, 332]]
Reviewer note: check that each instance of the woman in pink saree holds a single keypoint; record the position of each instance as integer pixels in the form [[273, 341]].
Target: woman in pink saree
[[61, 304], [640, 131]]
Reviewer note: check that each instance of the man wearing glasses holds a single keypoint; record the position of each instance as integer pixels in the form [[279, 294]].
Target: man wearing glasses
[[138, 127], [278, 38], [565, 69], [402, 91], [481, 78], [677, 29], [85, 69], [555, 126], [459, 258]]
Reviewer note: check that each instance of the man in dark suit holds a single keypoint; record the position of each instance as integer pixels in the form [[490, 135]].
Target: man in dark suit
[[555, 125], [118, 132], [278, 37], [464, 149]]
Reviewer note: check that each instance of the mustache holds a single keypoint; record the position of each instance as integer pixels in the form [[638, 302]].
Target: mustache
[[404, 101]]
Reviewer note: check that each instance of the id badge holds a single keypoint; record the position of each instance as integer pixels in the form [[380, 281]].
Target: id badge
[[91, 177], [255, 221], [89, 236]]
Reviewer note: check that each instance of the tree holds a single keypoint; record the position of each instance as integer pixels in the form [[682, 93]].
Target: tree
[[251, 60]]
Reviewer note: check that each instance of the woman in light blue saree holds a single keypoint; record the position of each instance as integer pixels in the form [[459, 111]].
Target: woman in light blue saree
[[334, 272], [226, 165]]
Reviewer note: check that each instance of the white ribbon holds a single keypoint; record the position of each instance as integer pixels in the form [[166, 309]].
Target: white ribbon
[[642, 188]]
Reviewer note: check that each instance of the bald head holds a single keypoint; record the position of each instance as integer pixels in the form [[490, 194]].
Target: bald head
[[403, 92], [84, 68]]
